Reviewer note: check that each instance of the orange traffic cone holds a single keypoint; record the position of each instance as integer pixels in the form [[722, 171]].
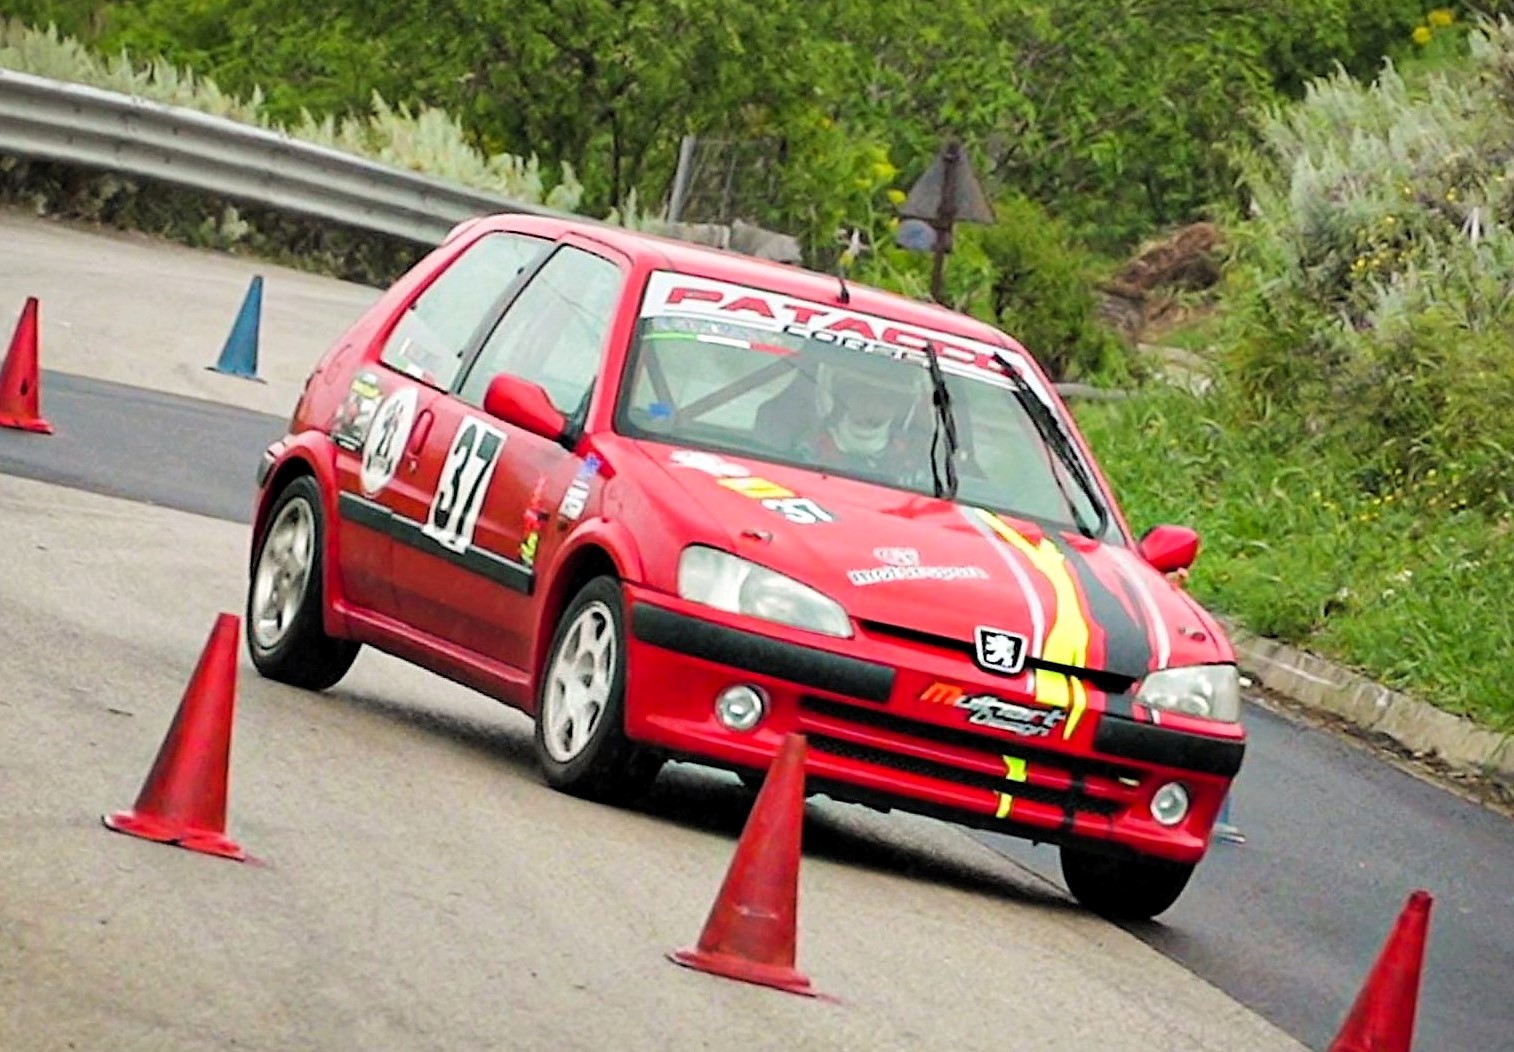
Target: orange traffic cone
[[750, 932], [183, 801], [1382, 1019], [20, 394]]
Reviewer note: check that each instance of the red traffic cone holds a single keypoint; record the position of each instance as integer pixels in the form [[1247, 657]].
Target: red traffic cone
[[750, 932], [20, 394], [183, 801], [1382, 1019]]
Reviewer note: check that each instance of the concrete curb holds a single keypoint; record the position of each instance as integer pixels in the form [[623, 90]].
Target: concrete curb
[[1416, 726]]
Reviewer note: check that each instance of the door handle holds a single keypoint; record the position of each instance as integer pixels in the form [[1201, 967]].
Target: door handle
[[417, 442], [419, 432]]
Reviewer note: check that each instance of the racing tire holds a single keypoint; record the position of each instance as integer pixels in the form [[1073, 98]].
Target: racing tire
[[581, 742], [284, 628], [1123, 889]]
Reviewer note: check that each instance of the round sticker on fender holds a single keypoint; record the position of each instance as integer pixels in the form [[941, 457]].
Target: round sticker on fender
[[387, 438]]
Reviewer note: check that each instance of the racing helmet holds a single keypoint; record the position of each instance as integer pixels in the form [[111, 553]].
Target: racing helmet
[[864, 397]]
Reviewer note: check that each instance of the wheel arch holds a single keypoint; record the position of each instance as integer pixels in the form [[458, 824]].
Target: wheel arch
[[291, 468], [601, 552], [301, 459]]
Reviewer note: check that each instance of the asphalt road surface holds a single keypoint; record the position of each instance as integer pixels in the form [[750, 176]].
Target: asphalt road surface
[[1336, 839], [143, 445], [1286, 923]]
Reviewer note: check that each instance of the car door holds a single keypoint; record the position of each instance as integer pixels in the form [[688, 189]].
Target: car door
[[381, 430], [500, 497]]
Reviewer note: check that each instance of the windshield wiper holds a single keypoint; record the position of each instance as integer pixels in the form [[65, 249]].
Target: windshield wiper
[[1060, 444], [941, 398]]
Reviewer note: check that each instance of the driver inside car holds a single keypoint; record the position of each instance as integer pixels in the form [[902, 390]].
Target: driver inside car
[[868, 407]]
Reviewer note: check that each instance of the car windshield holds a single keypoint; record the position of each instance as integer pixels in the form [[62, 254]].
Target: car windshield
[[747, 371]]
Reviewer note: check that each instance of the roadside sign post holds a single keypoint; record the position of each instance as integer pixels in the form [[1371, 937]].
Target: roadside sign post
[[948, 193]]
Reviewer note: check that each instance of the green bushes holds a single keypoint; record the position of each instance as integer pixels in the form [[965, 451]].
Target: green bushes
[[1109, 113], [1065, 108], [1040, 289], [1023, 273], [1351, 470], [1374, 276]]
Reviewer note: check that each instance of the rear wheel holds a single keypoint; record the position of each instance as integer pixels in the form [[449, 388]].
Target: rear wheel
[[285, 597], [581, 740], [1123, 888]]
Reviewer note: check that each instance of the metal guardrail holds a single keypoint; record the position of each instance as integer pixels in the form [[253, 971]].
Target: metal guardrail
[[74, 124]]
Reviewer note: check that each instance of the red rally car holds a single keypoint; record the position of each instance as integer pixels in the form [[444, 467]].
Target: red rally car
[[677, 503]]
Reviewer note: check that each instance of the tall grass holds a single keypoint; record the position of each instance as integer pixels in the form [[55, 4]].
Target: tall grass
[[1409, 586]]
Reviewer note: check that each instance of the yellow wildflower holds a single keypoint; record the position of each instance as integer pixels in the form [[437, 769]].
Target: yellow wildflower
[[884, 172], [1441, 17], [896, 197], [1421, 35]]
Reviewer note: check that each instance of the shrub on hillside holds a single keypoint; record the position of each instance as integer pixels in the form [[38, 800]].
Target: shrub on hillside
[[1373, 277], [1042, 291], [1025, 273]]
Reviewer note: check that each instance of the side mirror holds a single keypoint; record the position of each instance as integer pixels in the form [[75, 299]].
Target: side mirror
[[1169, 548], [524, 404]]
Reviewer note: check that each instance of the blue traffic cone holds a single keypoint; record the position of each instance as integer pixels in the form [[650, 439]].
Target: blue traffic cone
[[1224, 829], [240, 355]]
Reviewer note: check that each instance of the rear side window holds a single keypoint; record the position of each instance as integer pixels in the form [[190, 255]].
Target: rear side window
[[436, 329]]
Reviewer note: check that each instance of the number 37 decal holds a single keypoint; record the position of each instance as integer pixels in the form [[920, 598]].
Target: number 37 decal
[[465, 479]]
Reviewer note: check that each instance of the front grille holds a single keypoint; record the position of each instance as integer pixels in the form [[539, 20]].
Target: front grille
[[882, 739]]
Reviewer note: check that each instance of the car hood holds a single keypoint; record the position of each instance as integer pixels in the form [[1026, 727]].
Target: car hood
[[927, 566]]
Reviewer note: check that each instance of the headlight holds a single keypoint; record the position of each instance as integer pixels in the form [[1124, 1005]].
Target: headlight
[[727, 582], [1211, 691]]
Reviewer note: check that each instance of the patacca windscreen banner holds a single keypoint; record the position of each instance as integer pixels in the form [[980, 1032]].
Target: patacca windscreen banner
[[687, 296]]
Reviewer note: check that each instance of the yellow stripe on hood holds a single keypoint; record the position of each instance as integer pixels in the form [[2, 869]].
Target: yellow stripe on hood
[[1066, 641]]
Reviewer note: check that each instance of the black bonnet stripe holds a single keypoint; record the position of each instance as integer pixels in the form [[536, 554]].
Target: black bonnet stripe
[[1127, 642]]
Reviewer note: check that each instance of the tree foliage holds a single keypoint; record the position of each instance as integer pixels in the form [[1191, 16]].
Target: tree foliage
[[1108, 112], [1110, 118]]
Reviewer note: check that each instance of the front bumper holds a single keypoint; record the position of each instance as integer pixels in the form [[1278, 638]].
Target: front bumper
[[869, 742]]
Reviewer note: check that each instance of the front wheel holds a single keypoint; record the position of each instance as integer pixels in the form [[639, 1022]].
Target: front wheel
[[581, 740], [1127, 889], [285, 634]]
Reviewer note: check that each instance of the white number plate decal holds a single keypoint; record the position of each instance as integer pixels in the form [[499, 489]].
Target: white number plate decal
[[801, 510], [465, 480]]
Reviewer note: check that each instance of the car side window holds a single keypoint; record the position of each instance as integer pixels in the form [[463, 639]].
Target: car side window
[[554, 332], [439, 325]]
